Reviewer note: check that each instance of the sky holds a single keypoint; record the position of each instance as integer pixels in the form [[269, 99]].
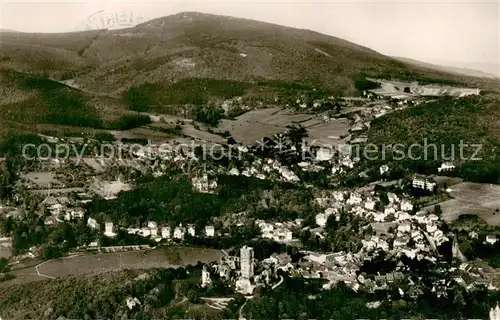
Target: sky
[[446, 32]]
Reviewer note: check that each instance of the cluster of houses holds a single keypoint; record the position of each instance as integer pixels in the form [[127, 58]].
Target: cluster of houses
[[416, 234], [245, 273], [278, 231], [153, 231], [62, 208], [416, 238], [266, 169]]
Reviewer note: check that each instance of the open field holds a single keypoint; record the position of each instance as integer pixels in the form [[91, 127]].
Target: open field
[[328, 133], [95, 263], [110, 188], [473, 198], [42, 179], [141, 133], [58, 191], [254, 125], [5, 252], [194, 133]]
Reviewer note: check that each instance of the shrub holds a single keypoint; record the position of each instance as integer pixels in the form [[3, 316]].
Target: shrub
[[104, 136], [130, 121], [137, 100], [361, 83]]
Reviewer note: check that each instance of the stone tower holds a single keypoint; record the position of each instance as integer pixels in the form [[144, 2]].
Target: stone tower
[[246, 261]]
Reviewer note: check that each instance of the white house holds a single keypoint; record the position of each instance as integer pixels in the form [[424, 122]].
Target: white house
[[389, 210], [384, 169], [370, 204], [108, 229], [205, 278], [491, 239], [446, 166], [153, 228], [145, 232], [355, 198], [165, 232], [321, 219], [191, 231], [431, 228], [289, 175], [338, 195], [209, 231], [423, 184], [132, 302], [404, 227], [74, 213], [406, 205], [399, 242], [179, 232], [324, 154], [379, 216], [203, 184], [393, 198]]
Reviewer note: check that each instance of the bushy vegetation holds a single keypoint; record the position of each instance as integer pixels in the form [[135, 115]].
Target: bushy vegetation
[[137, 100], [162, 200], [141, 141], [477, 247], [12, 144], [209, 115], [63, 104], [361, 83], [104, 136], [174, 201], [130, 121], [104, 296]]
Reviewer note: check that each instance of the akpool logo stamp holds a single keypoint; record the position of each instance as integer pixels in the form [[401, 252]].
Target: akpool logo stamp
[[103, 19]]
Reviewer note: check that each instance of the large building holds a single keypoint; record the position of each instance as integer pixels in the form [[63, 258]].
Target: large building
[[246, 260]]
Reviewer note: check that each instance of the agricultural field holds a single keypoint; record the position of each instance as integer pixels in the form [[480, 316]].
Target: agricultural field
[[329, 133], [96, 263], [192, 132], [41, 179], [5, 252], [254, 125], [473, 198], [141, 133]]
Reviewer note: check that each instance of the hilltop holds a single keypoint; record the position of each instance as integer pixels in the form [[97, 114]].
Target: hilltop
[[91, 79], [197, 45]]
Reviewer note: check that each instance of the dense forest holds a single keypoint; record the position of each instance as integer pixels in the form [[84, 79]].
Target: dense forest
[[462, 131]]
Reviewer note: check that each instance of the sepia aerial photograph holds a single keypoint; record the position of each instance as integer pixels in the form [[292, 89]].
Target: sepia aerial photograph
[[249, 159]]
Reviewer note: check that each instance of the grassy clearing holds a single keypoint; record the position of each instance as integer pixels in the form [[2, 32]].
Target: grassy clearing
[[473, 198]]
